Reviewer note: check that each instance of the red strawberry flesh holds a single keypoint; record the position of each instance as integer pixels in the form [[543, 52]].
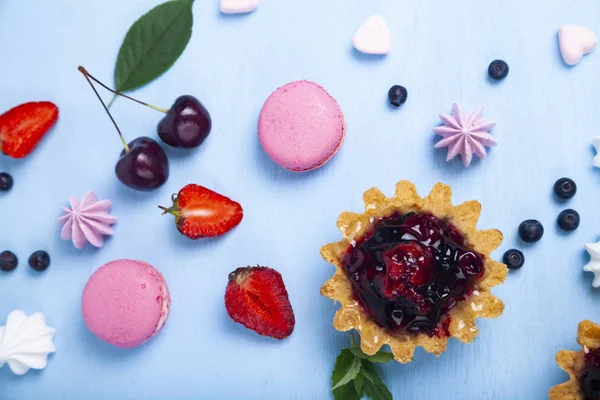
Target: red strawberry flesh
[[409, 262], [201, 212], [256, 297], [24, 126]]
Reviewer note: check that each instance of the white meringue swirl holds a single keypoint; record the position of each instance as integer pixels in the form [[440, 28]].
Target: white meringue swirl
[[25, 342]]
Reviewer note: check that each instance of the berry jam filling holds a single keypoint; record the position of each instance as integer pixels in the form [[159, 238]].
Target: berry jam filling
[[409, 270], [590, 377]]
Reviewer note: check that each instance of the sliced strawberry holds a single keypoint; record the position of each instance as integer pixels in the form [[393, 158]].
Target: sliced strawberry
[[256, 298], [409, 262], [23, 127], [199, 212]]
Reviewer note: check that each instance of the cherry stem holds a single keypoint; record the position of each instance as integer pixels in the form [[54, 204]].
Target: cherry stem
[[123, 95], [110, 103], [87, 77]]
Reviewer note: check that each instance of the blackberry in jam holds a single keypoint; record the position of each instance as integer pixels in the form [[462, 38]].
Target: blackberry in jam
[[590, 377], [410, 270]]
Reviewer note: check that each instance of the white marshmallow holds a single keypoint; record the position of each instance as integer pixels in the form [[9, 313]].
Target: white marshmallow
[[373, 36], [575, 42], [238, 6]]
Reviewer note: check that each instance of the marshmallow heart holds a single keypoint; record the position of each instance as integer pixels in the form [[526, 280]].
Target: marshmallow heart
[[238, 6], [575, 42], [373, 37]]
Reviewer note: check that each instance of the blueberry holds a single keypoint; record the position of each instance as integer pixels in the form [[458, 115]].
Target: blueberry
[[397, 95], [6, 182], [531, 231], [514, 259], [565, 188], [498, 70], [8, 261], [568, 220], [39, 260]]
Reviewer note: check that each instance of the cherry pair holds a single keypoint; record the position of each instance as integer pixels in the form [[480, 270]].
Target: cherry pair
[[143, 164]]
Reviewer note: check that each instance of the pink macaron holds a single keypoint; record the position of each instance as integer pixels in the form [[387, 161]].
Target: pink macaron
[[301, 127], [125, 303]]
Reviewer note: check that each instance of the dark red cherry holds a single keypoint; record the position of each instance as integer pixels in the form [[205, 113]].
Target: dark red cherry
[[143, 164], [144, 167], [187, 124]]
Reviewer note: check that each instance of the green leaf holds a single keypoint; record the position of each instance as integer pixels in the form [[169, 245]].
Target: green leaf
[[347, 367], [153, 44], [377, 391], [346, 392], [380, 356], [358, 383], [373, 386], [369, 371]]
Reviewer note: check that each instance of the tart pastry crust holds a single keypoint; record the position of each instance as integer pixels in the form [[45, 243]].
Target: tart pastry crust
[[573, 362], [462, 326]]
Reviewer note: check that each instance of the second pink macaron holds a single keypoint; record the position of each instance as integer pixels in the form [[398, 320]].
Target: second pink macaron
[[126, 303], [301, 126]]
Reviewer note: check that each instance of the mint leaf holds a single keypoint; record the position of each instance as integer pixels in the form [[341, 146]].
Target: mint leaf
[[346, 392], [377, 391], [380, 356], [368, 371], [347, 367], [153, 44], [354, 375], [373, 387], [358, 383]]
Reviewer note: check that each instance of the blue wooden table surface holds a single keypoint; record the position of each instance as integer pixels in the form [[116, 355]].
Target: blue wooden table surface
[[547, 114]]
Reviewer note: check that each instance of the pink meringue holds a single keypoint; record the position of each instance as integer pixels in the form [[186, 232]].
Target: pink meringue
[[87, 221], [465, 134]]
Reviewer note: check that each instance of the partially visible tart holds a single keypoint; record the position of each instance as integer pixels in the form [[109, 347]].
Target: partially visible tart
[[413, 271], [582, 366]]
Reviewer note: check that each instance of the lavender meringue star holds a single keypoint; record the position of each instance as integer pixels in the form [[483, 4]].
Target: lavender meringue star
[[87, 220], [465, 134]]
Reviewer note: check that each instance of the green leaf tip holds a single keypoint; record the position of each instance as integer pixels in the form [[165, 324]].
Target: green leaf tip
[[358, 383], [153, 44], [374, 387], [346, 368]]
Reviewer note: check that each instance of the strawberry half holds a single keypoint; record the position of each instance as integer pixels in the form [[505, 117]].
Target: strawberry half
[[199, 212], [256, 298], [23, 127]]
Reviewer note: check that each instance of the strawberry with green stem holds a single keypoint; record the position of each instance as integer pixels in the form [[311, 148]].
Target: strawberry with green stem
[[200, 212]]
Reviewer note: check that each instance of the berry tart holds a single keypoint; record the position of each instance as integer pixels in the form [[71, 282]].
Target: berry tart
[[413, 271], [582, 366]]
